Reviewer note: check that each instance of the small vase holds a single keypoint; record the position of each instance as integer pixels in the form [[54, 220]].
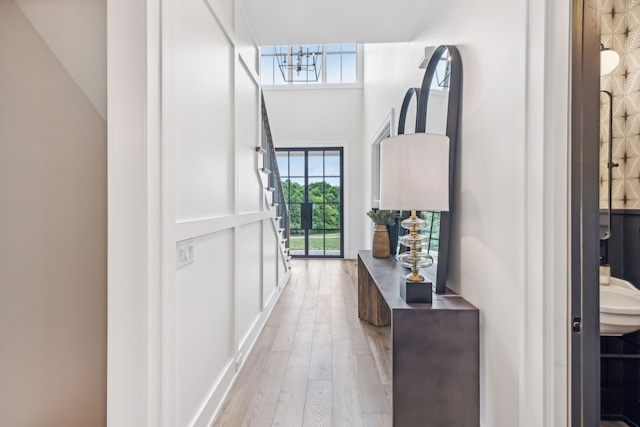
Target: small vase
[[380, 242]]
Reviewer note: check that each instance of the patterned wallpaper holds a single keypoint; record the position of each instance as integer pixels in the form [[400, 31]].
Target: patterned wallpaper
[[620, 24]]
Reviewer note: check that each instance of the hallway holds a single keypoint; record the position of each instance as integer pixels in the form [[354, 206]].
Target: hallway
[[315, 363]]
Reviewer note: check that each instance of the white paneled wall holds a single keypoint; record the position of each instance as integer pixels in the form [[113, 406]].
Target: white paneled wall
[[247, 125], [213, 125], [271, 258], [204, 314], [202, 111], [207, 313], [249, 282]]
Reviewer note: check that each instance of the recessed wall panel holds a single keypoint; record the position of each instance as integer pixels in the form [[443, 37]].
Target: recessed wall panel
[[204, 322], [271, 249], [245, 43], [249, 278], [249, 183], [200, 112]]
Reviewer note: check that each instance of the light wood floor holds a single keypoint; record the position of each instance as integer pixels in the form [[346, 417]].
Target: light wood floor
[[315, 363]]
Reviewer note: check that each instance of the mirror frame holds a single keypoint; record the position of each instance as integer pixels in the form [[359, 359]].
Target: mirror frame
[[453, 113], [405, 108]]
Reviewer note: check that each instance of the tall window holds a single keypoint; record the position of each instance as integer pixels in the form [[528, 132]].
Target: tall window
[[309, 64]]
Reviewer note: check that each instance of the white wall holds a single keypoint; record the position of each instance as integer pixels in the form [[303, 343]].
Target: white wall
[[496, 258], [183, 137], [53, 260], [329, 118], [76, 32]]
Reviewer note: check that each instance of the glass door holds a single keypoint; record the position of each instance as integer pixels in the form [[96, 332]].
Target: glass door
[[312, 183]]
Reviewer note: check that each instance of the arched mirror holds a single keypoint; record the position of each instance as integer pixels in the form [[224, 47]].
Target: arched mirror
[[437, 104], [438, 112]]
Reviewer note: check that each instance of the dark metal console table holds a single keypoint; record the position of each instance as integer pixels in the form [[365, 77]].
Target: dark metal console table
[[436, 378]]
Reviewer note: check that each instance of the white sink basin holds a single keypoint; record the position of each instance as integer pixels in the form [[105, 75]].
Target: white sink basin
[[619, 308]]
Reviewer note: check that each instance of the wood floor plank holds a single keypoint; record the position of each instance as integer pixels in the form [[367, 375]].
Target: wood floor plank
[[260, 422], [320, 363], [378, 420], [339, 328], [284, 339], [265, 397], [358, 336], [234, 409], [347, 411], [319, 403], [380, 344], [374, 396], [290, 407], [323, 309]]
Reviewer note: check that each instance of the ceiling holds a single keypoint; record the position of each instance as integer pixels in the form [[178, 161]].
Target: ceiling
[[284, 22]]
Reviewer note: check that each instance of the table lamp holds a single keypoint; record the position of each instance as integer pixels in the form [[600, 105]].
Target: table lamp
[[414, 175]]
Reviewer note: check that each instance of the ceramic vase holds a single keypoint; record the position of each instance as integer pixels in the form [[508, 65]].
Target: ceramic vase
[[380, 242]]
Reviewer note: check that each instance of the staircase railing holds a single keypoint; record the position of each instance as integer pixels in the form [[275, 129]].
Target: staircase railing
[[271, 164]]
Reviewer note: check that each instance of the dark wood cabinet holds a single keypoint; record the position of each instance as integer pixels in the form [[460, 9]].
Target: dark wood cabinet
[[436, 355]]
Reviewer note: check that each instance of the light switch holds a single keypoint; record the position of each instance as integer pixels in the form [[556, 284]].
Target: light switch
[[186, 252]]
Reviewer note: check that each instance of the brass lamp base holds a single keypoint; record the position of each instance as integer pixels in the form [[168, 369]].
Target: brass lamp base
[[415, 292]]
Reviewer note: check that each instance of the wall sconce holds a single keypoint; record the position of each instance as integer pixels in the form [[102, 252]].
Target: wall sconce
[[609, 60]]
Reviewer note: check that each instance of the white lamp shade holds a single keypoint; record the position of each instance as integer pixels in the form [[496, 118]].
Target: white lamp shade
[[609, 60], [414, 172]]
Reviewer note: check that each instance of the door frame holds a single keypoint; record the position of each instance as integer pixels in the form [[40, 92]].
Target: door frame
[[584, 341], [344, 194]]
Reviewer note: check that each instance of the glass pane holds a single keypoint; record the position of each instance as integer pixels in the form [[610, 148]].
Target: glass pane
[[316, 163], [283, 163], [294, 216], [350, 47], [332, 163], [333, 68], [316, 190], [349, 68], [296, 242], [334, 48], [266, 70], [318, 217], [296, 163], [332, 216], [332, 243], [280, 58], [315, 76], [316, 243], [285, 188], [296, 190], [332, 190]]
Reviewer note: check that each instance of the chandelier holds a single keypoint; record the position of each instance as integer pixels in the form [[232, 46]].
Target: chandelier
[[299, 64]]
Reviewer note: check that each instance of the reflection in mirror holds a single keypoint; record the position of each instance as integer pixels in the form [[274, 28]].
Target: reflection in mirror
[[439, 96], [606, 164]]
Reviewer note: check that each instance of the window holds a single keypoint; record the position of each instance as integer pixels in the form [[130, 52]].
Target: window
[[309, 64]]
